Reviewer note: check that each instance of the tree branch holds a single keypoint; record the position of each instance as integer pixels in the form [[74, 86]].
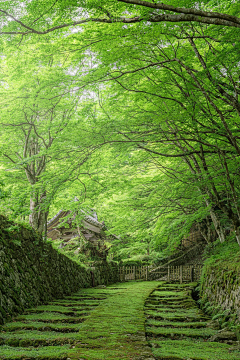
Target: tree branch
[[191, 11], [7, 156], [189, 18], [185, 15]]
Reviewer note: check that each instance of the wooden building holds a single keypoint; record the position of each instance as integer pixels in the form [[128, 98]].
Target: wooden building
[[91, 233]]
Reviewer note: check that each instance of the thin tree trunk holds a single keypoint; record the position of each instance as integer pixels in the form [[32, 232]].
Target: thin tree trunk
[[218, 226], [33, 217], [38, 216], [237, 232]]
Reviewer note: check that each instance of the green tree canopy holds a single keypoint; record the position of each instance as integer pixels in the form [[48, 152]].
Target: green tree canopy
[[144, 96]]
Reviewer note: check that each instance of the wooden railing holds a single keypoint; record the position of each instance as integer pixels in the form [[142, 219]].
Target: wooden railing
[[181, 273]]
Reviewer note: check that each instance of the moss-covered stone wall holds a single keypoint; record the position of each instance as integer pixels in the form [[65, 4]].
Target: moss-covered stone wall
[[105, 273], [32, 272], [220, 290]]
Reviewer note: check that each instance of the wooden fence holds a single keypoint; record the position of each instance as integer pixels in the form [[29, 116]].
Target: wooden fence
[[181, 273], [133, 273]]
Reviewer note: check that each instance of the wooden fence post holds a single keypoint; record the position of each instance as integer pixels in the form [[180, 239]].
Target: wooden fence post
[[146, 273], [168, 277], [123, 273], [192, 273], [135, 275], [181, 274]]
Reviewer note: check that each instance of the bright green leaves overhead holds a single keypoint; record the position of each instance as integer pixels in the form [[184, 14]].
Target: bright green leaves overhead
[[144, 108]]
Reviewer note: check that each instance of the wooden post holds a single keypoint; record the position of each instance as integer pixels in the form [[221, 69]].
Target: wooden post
[[146, 273], [192, 273], [168, 276], [123, 273], [135, 275], [181, 274]]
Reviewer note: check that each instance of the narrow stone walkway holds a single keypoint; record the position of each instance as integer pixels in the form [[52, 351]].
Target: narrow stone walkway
[[96, 323], [177, 329]]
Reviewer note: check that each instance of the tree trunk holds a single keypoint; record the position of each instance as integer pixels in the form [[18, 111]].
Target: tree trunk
[[33, 217], [205, 229], [38, 216], [237, 232], [218, 226]]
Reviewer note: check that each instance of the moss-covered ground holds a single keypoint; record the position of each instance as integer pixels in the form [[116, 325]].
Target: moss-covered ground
[[94, 324], [116, 322], [177, 329]]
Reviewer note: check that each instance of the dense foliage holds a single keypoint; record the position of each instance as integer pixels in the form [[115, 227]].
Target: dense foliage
[[131, 106]]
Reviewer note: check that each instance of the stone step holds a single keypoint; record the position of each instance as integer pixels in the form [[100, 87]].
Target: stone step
[[76, 298], [191, 349], [68, 312], [40, 353], [176, 318], [53, 317], [169, 324], [74, 305], [204, 333], [35, 338], [41, 326]]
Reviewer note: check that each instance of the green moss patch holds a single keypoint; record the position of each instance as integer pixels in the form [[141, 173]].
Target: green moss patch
[[83, 297], [112, 330], [171, 332], [176, 324], [36, 338], [194, 350], [169, 303], [177, 333], [190, 316], [41, 353], [52, 317], [82, 302], [41, 326], [72, 311], [168, 293], [60, 308], [116, 329]]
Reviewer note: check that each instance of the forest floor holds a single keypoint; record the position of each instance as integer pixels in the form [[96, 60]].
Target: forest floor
[[131, 321]]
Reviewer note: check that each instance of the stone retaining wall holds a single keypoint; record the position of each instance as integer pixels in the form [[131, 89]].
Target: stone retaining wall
[[33, 273], [220, 291]]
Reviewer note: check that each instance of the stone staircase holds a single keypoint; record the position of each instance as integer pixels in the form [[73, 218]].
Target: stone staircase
[[47, 331], [93, 324], [107, 323], [177, 329]]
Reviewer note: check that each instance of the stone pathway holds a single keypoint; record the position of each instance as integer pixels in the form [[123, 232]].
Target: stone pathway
[[177, 329], [96, 323], [111, 323]]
